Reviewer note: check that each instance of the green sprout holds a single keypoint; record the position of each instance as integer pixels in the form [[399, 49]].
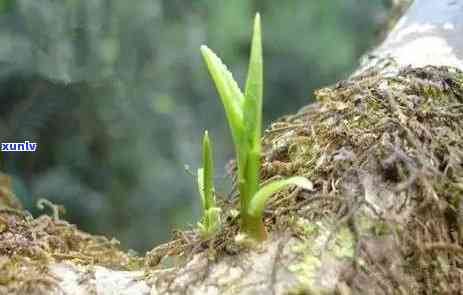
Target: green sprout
[[211, 213], [244, 115]]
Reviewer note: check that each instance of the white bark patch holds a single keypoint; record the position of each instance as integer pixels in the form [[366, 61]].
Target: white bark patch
[[411, 30], [420, 51], [80, 280], [72, 279], [111, 282], [429, 34], [263, 270]]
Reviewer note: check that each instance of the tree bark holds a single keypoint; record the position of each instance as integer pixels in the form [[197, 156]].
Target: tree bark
[[293, 259], [428, 34]]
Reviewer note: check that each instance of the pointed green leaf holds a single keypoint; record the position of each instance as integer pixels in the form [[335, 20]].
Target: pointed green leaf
[[229, 92], [258, 201], [211, 214], [253, 112], [254, 88], [208, 173], [201, 185]]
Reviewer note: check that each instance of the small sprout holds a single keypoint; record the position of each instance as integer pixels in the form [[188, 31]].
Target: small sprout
[[210, 222], [244, 114]]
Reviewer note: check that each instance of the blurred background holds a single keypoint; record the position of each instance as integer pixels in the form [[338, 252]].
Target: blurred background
[[117, 97]]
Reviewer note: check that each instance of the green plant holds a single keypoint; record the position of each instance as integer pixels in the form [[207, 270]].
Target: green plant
[[244, 114], [210, 222]]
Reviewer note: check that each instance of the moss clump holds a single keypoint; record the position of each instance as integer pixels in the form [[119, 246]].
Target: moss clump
[[29, 245], [385, 154], [386, 157]]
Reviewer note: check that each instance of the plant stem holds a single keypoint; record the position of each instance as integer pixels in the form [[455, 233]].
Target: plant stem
[[250, 225], [253, 227]]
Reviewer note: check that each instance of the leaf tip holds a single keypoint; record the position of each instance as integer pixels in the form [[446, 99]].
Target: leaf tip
[[205, 50], [206, 146], [257, 24], [257, 18]]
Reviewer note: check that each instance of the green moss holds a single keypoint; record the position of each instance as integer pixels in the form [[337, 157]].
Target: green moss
[[404, 131]]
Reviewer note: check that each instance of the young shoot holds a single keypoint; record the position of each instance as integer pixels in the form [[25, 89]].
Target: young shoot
[[244, 115], [210, 222]]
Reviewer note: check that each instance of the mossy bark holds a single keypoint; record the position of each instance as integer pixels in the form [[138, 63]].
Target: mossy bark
[[384, 150]]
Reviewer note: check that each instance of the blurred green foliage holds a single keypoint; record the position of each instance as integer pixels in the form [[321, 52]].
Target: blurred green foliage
[[116, 95]]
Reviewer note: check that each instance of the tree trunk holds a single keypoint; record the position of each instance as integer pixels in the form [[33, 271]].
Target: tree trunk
[[428, 34], [385, 152]]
